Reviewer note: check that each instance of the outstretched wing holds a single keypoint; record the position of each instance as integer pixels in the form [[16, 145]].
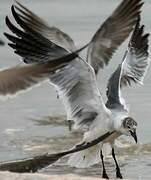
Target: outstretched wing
[[32, 46], [112, 33], [52, 33], [133, 67], [76, 82]]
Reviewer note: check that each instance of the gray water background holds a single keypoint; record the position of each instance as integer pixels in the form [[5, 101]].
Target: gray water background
[[27, 123]]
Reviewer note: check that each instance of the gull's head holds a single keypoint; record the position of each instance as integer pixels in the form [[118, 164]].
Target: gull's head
[[129, 126]]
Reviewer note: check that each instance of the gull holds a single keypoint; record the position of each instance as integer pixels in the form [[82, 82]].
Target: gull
[[111, 119], [100, 122], [111, 34]]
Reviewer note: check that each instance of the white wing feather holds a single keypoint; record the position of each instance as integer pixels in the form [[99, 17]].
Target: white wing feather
[[77, 87]]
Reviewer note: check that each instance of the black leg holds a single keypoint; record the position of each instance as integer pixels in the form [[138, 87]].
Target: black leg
[[104, 174], [118, 173], [70, 125], [57, 94]]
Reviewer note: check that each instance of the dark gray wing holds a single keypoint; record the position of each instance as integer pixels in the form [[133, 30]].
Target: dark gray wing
[[52, 33], [132, 68], [34, 47], [113, 91], [112, 33], [31, 45]]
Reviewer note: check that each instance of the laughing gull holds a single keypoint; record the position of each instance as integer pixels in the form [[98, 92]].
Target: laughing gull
[[115, 115], [76, 82], [101, 123], [104, 43], [77, 87]]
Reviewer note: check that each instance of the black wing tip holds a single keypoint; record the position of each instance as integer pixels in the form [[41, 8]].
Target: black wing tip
[[141, 34], [139, 42], [6, 19], [13, 9], [10, 37], [138, 20], [13, 46], [146, 35], [15, 14], [7, 35], [138, 35], [8, 23], [141, 3]]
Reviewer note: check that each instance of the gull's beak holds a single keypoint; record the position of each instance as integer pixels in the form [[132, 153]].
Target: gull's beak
[[133, 134]]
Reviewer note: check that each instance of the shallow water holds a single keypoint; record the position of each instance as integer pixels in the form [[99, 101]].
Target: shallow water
[[28, 126]]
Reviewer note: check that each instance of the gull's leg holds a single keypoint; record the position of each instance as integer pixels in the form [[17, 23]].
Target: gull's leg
[[70, 124], [118, 173], [104, 174], [57, 94]]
